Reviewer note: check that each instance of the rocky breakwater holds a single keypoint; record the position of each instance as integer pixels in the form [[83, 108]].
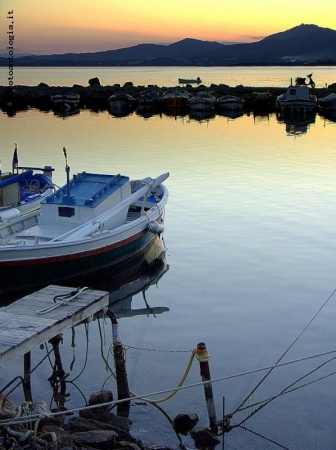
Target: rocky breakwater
[[33, 426], [95, 96]]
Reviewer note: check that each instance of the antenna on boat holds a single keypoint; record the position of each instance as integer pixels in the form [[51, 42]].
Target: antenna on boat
[[67, 169]]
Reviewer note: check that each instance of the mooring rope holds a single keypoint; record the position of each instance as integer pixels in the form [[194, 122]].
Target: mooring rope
[[282, 356], [62, 299]]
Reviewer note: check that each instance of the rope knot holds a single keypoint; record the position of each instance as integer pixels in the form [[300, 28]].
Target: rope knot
[[201, 354]]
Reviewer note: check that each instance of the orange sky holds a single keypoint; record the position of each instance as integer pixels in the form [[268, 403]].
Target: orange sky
[[45, 27]]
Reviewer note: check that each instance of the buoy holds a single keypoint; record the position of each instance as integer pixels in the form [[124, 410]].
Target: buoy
[[155, 227]]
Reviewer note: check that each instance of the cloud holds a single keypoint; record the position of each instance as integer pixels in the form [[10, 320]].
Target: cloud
[[253, 38]]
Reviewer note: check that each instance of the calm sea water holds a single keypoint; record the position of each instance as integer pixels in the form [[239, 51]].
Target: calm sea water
[[251, 248], [168, 76]]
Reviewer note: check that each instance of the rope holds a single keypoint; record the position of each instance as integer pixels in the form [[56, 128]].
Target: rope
[[266, 439], [64, 299], [186, 372], [142, 397], [282, 356], [287, 389]]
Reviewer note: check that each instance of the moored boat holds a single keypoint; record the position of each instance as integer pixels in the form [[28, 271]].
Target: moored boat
[[66, 101], [230, 102], [94, 221], [327, 103], [121, 102], [297, 99], [149, 99], [175, 98], [202, 101], [22, 190], [190, 80]]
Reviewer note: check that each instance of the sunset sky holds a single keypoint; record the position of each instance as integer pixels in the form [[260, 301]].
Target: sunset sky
[[60, 26]]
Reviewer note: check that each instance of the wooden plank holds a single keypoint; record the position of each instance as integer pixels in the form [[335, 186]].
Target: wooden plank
[[22, 327]]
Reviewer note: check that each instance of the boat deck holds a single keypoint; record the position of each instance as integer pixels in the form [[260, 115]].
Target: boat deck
[[23, 326]]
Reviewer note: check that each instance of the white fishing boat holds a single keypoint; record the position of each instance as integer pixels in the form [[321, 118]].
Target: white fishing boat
[[94, 221], [190, 80], [297, 99], [22, 189]]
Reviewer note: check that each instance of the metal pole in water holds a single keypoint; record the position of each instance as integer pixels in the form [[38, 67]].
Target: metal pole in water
[[203, 357]]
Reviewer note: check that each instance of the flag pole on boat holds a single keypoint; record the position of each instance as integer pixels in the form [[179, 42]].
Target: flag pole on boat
[[15, 160]]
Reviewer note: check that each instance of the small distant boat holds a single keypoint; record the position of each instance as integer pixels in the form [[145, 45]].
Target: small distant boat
[[327, 103], [94, 221], [175, 99], [22, 190], [121, 102], [230, 102], [66, 102], [202, 101], [297, 99], [190, 80]]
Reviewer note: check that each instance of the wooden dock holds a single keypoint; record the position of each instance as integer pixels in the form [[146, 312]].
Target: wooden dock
[[22, 326]]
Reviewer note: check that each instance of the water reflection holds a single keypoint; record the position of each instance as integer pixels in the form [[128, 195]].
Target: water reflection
[[328, 115], [297, 125], [201, 116]]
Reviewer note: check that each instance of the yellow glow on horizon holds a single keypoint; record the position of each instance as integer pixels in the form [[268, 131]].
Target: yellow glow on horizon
[[82, 26]]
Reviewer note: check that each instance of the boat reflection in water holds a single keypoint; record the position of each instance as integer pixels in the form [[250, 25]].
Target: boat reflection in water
[[132, 276], [296, 126]]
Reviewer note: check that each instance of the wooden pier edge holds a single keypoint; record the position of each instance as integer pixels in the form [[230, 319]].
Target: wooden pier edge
[[22, 328]]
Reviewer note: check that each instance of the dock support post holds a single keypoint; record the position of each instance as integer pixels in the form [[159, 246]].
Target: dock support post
[[203, 357], [58, 373], [120, 367], [26, 377]]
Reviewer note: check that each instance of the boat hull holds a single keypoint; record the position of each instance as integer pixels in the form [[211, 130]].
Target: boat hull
[[73, 260]]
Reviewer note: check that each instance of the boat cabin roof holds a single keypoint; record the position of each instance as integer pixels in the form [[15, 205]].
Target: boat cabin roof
[[87, 189]]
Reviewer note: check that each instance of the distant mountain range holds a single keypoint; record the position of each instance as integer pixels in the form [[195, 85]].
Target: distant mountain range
[[301, 45]]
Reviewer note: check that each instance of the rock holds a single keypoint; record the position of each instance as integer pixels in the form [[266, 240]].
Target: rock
[[128, 85], [125, 445], [99, 397], [40, 407], [204, 438], [183, 423], [96, 439], [106, 417], [94, 81], [52, 433], [8, 409]]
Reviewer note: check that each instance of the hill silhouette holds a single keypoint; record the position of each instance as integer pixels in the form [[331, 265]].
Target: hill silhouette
[[301, 45]]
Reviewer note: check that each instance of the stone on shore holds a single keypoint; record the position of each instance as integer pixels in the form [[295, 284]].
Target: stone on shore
[[8, 409], [94, 81]]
